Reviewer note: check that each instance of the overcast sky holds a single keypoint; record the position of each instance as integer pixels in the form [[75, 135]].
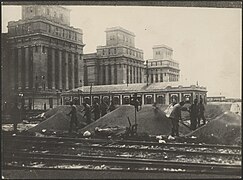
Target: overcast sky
[[206, 41]]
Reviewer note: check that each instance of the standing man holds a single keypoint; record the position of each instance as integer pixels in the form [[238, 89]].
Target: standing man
[[16, 115], [87, 113], [96, 110], [175, 116], [103, 108], [201, 113], [73, 114], [193, 109]]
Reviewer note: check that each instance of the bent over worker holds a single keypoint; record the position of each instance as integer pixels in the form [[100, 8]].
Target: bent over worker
[[175, 116]]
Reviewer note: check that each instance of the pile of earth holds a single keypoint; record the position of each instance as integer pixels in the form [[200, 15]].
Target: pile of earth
[[224, 129], [149, 120], [57, 119], [214, 110]]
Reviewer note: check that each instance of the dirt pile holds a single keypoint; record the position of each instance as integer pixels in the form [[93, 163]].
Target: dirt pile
[[224, 129], [214, 110], [150, 121], [58, 120]]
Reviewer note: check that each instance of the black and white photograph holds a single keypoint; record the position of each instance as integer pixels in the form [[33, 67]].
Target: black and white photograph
[[121, 90]]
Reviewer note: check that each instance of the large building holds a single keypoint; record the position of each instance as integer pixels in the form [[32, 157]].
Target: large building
[[46, 55], [118, 62], [162, 68]]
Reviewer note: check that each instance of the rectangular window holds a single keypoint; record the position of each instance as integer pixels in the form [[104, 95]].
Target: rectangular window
[[43, 49], [36, 48]]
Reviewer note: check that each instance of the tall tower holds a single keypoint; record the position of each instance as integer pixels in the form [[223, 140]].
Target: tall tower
[[163, 68], [47, 53], [118, 62]]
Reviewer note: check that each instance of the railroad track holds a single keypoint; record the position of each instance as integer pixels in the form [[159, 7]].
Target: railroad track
[[99, 152], [111, 163]]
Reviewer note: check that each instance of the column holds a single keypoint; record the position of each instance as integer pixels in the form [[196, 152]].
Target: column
[[72, 70], [19, 68], [26, 67], [132, 75], [135, 77], [167, 99], [142, 99], [101, 74], [128, 71], [154, 78], [159, 76], [66, 71], [124, 73], [154, 97], [80, 70], [60, 69], [180, 97], [53, 69], [120, 96], [12, 68], [106, 74], [142, 75], [113, 74]]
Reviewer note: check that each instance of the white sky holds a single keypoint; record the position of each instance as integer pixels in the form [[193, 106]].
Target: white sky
[[206, 41]]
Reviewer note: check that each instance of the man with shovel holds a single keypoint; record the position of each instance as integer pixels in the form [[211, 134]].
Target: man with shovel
[[73, 114]]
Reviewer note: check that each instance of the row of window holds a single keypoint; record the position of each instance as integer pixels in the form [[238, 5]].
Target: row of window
[[124, 38], [38, 26], [113, 51], [167, 53], [158, 63]]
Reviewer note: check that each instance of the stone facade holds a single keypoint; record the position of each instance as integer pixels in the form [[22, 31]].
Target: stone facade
[[162, 68], [46, 53], [118, 62]]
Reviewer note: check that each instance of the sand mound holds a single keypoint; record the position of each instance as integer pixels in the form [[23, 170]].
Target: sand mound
[[149, 121], [214, 110], [225, 129], [59, 121]]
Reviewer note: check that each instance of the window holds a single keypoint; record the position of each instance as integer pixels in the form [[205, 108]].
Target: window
[[61, 16], [43, 49], [115, 51], [63, 33], [36, 48], [69, 34], [109, 51], [103, 52], [48, 11]]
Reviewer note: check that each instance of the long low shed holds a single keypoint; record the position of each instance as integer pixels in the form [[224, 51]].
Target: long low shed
[[162, 93]]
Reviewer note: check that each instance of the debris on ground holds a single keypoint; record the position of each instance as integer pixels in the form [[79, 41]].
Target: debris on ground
[[224, 129]]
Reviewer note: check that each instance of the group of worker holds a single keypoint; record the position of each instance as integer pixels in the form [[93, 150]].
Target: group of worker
[[196, 111], [97, 109]]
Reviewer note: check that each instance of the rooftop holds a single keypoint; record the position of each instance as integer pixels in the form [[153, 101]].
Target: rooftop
[[139, 87], [118, 28], [162, 46]]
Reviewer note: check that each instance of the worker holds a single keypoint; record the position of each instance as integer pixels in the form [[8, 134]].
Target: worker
[[16, 115], [193, 110], [73, 114], [103, 108], [87, 113], [201, 109], [96, 110], [175, 116]]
